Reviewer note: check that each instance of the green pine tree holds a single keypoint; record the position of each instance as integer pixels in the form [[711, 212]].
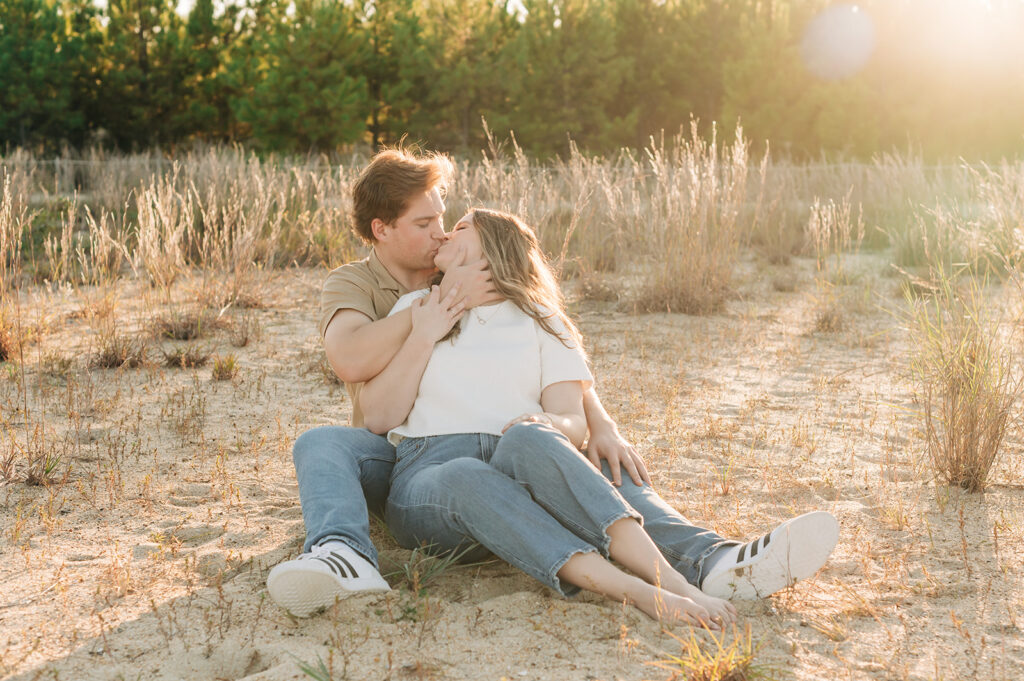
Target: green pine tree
[[300, 85], [36, 81]]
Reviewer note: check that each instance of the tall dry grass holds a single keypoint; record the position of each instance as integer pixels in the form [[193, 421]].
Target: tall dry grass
[[697, 192], [968, 377], [670, 219]]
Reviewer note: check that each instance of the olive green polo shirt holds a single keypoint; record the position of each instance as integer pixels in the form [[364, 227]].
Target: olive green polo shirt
[[365, 286]]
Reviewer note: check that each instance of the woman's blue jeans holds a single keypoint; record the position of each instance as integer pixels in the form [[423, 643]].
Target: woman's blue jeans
[[449, 492], [344, 473]]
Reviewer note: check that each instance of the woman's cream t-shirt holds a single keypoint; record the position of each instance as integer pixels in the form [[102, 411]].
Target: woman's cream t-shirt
[[494, 370]]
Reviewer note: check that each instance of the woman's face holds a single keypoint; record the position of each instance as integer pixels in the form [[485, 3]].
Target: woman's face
[[462, 246]]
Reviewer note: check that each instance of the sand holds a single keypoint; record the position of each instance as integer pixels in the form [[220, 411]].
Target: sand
[[146, 557]]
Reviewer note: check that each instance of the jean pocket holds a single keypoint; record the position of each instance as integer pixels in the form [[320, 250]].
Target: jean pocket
[[406, 453]]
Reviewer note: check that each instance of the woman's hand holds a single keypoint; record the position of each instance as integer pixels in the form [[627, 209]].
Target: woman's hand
[[434, 316], [529, 418]]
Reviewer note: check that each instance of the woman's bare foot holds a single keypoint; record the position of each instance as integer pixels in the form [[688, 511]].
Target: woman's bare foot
[[668, 607], [719, 610]]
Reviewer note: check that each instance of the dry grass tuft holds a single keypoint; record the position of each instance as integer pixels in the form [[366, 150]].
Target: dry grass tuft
[[968, 379], [8, 338], [115, 350], [596, 288], [724, 660], [245, 330], [829, 317], [56, 365], [184, 325], [317, 364], [186, 356]]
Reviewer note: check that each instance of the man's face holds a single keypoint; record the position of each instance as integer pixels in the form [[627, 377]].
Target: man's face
[[415, 236], [462, 246]]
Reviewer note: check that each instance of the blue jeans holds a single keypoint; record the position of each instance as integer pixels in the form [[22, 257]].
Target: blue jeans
[[447, 496], [344, 473]]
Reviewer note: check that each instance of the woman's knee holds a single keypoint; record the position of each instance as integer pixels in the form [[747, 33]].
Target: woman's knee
[[529, 444], [457, 473]]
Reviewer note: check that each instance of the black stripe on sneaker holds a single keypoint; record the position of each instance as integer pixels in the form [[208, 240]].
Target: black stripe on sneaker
[[334, 565], [767, 538], [743, 552], [347, 564], [753, 548]]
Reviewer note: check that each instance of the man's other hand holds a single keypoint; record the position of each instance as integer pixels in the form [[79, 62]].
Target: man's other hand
[[474, 280], [609, 445]]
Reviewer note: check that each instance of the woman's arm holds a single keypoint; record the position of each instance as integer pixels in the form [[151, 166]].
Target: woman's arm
[[389, 396], [563, 406]]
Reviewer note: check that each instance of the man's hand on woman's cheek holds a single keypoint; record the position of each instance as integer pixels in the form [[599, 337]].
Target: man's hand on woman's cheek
[[475, 283]]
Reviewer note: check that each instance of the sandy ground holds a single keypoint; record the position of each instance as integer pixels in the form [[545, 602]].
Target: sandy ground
[[147, 557]]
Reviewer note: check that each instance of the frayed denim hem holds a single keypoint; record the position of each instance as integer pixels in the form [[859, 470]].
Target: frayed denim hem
[[605, 539], [555, 583]]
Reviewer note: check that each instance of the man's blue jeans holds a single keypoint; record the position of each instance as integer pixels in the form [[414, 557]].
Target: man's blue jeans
[[344, 474]]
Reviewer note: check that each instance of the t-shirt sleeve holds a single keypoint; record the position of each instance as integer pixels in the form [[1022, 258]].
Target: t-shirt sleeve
[[346, 288], [407, 300], [558, 362]]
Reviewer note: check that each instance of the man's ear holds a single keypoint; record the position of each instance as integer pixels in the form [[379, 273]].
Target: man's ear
[[379, 228]]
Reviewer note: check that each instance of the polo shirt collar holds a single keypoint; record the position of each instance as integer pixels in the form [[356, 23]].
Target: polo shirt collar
[[381, 274]]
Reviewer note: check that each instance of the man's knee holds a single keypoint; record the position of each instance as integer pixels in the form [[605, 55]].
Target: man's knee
[[310, 443]]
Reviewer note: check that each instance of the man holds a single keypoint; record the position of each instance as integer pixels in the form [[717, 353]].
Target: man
[[342, 471]]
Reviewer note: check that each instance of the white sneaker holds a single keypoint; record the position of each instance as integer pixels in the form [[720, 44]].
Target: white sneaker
[[794, 550], [314, 580]]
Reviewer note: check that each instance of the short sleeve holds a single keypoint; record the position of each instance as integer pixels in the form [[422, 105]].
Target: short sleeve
[[348, 287], [560, 363], [408, 299]]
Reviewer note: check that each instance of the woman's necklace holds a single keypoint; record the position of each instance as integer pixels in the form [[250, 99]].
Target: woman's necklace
[[483, 320]]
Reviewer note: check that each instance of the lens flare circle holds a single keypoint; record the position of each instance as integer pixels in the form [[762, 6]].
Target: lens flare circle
[[838, 42]]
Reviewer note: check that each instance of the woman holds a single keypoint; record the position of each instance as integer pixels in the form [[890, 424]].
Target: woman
[[487, 418]]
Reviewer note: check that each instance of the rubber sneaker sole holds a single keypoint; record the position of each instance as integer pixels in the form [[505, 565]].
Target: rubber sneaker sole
[[304, 592], [796, 550]]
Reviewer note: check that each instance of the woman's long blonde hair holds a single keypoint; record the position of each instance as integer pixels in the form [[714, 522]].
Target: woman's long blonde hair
[[520, 272]]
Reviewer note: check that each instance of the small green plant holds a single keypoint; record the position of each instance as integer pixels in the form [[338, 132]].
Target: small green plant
[[723, 660], [967, 377], [225, 367], [424, 567], [319, 671]]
